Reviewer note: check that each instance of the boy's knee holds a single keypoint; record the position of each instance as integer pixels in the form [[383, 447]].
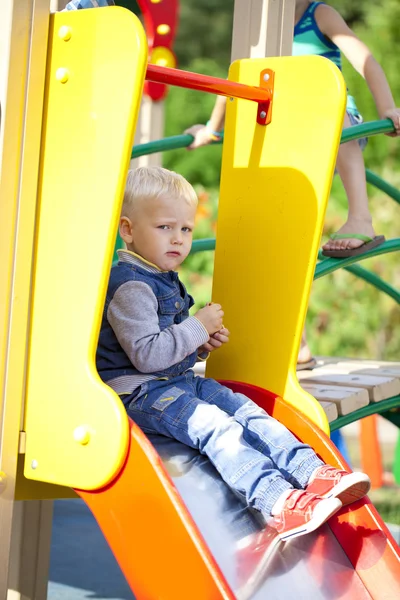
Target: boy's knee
[[206, 418]]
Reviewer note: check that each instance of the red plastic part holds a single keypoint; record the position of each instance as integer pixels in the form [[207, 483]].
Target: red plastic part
[[205, 83], [155, 14], [264, 113]]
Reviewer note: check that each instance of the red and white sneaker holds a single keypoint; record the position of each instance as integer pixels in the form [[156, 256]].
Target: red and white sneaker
[[302, 513], [329, 482]]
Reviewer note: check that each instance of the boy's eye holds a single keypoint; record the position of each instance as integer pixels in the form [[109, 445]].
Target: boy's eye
[[163, 227], [186, 229]]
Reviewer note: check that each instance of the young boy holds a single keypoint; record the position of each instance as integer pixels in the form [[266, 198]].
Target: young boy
[[148, 344]]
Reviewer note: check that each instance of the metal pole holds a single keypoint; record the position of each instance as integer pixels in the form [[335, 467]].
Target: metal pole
[[205, 83]]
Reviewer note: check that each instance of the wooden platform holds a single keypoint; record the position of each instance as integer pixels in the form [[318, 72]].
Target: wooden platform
[[349, 389]]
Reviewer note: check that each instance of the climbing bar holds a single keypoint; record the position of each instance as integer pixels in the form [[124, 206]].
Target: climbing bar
[[366, 130], [374, 408], [350, 133], [203, 245], [382, 185], [328, 265], [206, 83], [170, 143], [374, 280]]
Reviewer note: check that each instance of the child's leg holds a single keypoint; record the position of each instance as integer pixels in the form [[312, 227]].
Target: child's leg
[[351, 169], [176, 412], [295, 460]]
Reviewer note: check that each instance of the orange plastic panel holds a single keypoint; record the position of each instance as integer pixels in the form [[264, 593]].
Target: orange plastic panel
[[371, 457], [151, 533]]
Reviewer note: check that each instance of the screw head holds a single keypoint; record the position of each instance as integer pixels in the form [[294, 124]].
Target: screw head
[[266, 76], [263, 114], [65, 33], [34, 464], [62, 75], [81, 435]]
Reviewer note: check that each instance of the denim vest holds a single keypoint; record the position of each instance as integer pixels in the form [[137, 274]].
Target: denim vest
[[173, 307]]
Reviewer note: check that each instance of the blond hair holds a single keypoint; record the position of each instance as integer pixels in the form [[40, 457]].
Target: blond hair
[[145, 183]]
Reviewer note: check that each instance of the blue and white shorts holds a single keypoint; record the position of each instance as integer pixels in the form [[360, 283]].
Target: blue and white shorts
[[357, 120]]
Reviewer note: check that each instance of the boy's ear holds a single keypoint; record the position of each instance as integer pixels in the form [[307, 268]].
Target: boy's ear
[[125, 229]]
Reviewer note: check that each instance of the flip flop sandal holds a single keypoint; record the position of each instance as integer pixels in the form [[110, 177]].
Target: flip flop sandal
[[368, 244], [309, 364]]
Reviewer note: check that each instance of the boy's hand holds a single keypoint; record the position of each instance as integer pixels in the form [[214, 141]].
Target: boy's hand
[[394, 115], [211, 317], [216, 340]]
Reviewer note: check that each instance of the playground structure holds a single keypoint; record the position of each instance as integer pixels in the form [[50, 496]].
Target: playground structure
[[61, 427]]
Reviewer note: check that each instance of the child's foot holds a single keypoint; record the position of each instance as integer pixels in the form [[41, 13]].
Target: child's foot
[[329, 482], [352, 225], [302, 513]]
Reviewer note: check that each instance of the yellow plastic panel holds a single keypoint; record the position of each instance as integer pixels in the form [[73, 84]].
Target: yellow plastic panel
[[275, 184], [76, 427]]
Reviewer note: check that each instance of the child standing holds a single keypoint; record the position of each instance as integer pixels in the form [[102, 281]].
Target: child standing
[[148, 344], [320, 30]]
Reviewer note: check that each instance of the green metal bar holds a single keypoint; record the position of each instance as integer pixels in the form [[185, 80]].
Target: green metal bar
[[182, 141], [366, 130], [394, 417], [382, 185], [374, 408], [328, 265], [202, 245], [374, 280], [170, 143]]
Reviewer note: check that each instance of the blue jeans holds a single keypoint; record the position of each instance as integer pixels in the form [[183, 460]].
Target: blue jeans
[[255, 454]]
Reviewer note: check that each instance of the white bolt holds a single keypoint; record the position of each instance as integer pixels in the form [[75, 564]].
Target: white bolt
[[81, 435], [62, 75], [34, 464], [65, 33], [263, 114], [266, 77]]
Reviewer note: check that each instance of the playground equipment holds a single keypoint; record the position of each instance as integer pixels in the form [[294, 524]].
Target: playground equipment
[[348, 390], [62, 428]]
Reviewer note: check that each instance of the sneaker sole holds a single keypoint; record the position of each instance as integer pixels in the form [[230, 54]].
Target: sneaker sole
[[319, 519], [353, 487]]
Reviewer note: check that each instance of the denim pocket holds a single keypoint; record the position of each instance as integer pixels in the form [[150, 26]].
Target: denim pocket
[[167, 398]]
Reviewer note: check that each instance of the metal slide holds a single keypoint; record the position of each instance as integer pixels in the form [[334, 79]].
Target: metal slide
[[313, 566], [147, 519]]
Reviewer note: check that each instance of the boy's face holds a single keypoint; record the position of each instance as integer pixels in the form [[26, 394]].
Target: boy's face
[[160, 231]]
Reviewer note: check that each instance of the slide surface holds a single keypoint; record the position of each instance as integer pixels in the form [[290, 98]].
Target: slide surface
[[354, 556]]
